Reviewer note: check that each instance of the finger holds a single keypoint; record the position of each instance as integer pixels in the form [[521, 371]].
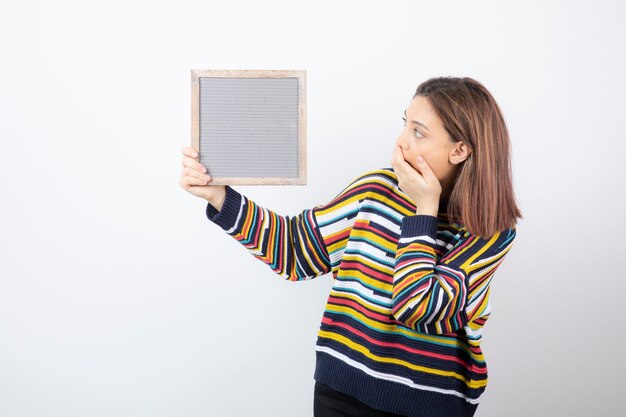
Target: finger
[[401, 164], [187, 182], [397, 157], [393, 157], [190, 172], [395, 163], [193, 163], [423, 165], [189, 151]]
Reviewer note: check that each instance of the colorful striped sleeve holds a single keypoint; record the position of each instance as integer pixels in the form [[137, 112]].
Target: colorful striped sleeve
[[291, 246], [336, 219], [439, 296]]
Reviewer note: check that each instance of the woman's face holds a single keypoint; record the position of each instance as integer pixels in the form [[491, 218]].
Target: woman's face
[[425, 135]]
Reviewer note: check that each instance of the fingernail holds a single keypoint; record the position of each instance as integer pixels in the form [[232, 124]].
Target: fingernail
[[419, 158]]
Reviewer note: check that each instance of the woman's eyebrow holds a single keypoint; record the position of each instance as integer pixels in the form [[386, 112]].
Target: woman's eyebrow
[[417, 123]]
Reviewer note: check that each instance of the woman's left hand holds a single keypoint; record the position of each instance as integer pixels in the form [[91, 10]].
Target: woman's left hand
[[422, 186]]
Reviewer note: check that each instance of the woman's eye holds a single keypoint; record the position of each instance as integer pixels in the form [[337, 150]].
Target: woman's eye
[[414, 130]]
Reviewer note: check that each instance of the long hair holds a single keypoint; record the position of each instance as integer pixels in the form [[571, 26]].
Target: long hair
[[482, 198]]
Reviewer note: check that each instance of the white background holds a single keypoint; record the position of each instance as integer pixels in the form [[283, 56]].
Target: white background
[[119, 298]]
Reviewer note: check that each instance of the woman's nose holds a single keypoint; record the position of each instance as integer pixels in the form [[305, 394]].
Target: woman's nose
[[401, 142]]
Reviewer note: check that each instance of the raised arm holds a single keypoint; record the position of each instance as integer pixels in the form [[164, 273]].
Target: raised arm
[[290, 246], [297, 248], [440, 294]]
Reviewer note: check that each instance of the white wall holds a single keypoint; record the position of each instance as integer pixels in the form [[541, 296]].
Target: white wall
[[119, 298]]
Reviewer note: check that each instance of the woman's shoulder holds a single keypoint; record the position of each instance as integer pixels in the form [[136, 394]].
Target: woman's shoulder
[[378, 184], [381, 178]]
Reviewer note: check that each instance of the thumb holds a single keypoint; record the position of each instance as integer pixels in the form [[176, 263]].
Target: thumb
[[424, 167]]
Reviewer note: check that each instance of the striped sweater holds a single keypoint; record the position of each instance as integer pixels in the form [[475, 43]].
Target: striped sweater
[[402, 326]]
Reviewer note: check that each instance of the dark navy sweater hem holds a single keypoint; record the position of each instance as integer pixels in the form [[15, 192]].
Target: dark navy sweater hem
[[386, 395]]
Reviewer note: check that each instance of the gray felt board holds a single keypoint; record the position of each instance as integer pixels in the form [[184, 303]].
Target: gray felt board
[[249, 126]]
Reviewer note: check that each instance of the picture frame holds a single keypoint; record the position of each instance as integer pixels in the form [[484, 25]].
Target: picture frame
[[249, 126]]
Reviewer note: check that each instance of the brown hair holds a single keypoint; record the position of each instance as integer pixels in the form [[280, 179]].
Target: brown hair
[[482, 197]]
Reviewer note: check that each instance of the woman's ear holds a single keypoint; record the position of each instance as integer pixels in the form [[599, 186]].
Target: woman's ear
[[459, 153]]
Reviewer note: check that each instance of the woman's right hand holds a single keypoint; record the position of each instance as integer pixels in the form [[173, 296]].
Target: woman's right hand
[[195, 180]]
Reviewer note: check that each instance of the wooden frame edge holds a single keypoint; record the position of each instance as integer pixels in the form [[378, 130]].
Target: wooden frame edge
[[195, 111], [196, 74]]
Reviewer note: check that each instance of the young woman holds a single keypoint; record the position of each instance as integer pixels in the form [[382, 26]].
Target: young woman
[[412, 250]]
